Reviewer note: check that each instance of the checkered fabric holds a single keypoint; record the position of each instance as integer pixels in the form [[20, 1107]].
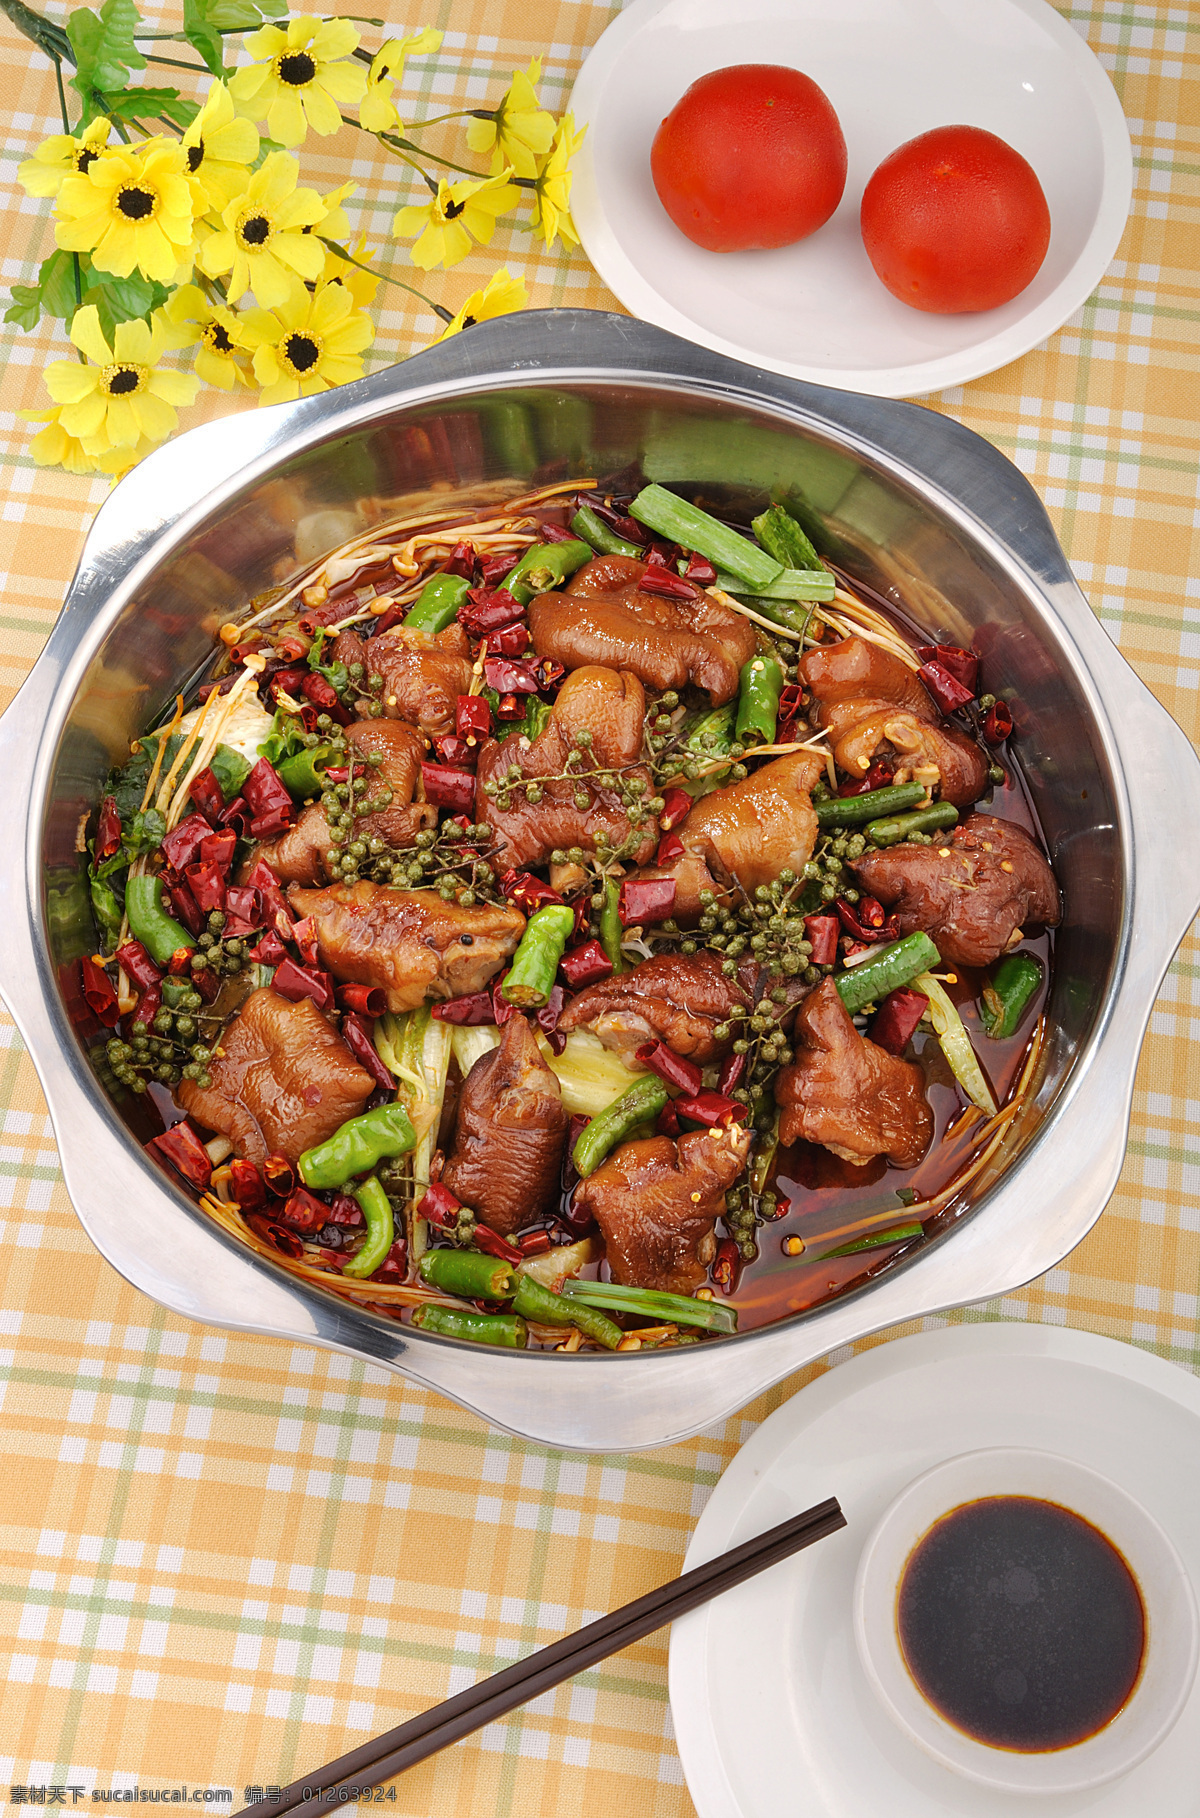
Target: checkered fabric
[[224, 1559]]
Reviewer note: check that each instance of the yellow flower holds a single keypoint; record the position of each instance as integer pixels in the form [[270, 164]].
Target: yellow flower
[[53, 447], [459, 213], [552, 191], [377, 111], [500, 296], [336, 223], [262, 242], [120, 399], [362, 285], [131, 207], [309, 343], [301, 78], [218, 147], [213, 330], [62, 156], [521, 131]]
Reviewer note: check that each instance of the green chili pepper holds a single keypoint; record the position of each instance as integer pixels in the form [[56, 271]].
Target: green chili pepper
[[610, 925], [759, 688], [381, 1229], [875, 1240], [591, 529], [468, 1273], [680, 1309], [685, 524], [781, 537], [1015, 982], [160, 934], [438, 603], [299, 774], [533, 1301], [543, 567], [852, 810], [106, 909], [480, 1328], [897, 827], [360, 1145], [535, 962], [175, 991], [637, 1104], [897, 965]]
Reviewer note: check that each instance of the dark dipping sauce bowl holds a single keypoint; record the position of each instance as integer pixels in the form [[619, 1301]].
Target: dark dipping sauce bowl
[[1025, 1621]]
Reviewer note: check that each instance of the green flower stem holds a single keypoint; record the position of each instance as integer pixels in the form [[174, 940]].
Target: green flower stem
[[200, 69], [462, 113], [445, 314], [49, 37], [392, 143], [408, 146]]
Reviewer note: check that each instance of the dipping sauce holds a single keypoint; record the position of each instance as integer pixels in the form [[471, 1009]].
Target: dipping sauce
[[1021, 1623]]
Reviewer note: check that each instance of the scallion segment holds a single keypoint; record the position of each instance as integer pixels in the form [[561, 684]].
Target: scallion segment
[[875, 1240], [897, 965], [680, 1309], [781, 537], [788, 584], [955, 1043], [672, 517]]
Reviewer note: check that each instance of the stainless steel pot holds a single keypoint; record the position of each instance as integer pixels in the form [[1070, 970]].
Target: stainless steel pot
[[919, 508]]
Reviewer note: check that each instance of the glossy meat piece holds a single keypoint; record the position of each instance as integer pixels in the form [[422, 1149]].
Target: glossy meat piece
[[282, 1080], [509, 1134], [408, 942], [859, 730], [612, 707], [422, 675], [674, 997], [970, 891], [848, 1094], [856, 670], [298, 856], [749, 831], [604, 617], [656, 1203]]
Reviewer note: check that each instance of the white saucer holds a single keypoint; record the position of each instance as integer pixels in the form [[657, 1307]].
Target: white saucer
[[892, 69], [772, 1711]]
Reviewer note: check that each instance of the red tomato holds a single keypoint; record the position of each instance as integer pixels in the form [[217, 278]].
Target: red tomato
[[751, 156], [955, 220]]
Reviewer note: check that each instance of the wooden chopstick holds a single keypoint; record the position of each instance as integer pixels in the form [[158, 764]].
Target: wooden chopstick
[[526, 1679]]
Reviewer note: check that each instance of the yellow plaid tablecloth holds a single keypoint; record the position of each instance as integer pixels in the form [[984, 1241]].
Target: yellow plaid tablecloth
[[224, 1559]]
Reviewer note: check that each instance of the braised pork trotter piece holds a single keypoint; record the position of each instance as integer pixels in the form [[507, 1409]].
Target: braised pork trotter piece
[[848, 1094], [859, 731], [969, 892], [856, 670], [748, 832], [605, 617], [422, 673], [282, 1080], [673, 997], [299, 855], [408, 942], [656, 1203], [611, 707], [509, 1134]]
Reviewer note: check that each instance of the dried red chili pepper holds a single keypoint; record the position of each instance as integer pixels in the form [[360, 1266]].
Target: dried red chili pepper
[[266, 826], [508, 675], [585, 965], [677, 805], [494, 568], [526, 892], [667, 1121], [98, 993], [461, 562], [578, 1124], [791, 701], [108, 831], [727, 1266], [238, 815], [345, 1210], [452, 750], [150, 1004], [534, 1243], [324, 696], [367, 1000], [357, 1038], [182, 845], [304, 1211], [180, 962], [670, 848], [730, 1076], [264, 790], [626, 527], [671, 1066], [510, 707], [218, 849], [512, 641], [207, 794], [277, 1235], [184, 906], [133, 959], [247, 1184], [264, 880], [822, 931], [666, 585], [711, 1108], [186, 1153], [547, 1017], [245, 902], [867, 921], [999, 723], [962, 664], [449, 788], [438, 1204], [700, 570], [207, 884], [554, 533], [645, 899], [279, 1175], [285, 681], [492, 1244], [877, 777], [895, 1022], [294, 982], [487, 610], [548, 672], [502, 1012], [946, 689], [472, 717], [470, 1012], [269, 951]]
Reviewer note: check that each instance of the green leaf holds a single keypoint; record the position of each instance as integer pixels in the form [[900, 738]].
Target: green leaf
[[104, 48], [202, 34], [147, 103], [52, 295], [123, 299], [243, 15]]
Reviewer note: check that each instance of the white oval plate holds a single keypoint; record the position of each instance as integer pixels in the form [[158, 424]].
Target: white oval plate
[[892, 69], [772, 1711]]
